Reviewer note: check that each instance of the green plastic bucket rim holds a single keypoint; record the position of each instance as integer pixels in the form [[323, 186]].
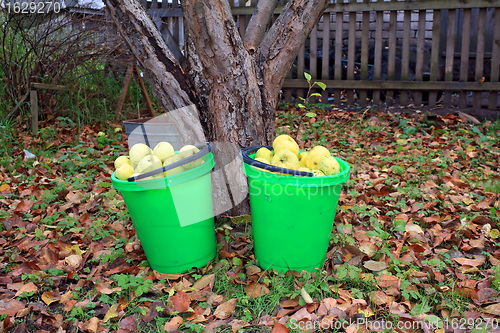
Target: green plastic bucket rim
[[290, 180], [164, 182]]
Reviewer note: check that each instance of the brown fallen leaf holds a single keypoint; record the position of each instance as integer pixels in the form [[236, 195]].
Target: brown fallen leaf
[[128, 325], [470, 262], [289, 303], [279, 328], [388, 281], [375, 266], [173, 324], [28, 287], [224, 310], [379, 297], [10, 307], [105, 288], [181, 301], [238, 324], [493, 309], [92, 324], [255, 290], [204, 281]]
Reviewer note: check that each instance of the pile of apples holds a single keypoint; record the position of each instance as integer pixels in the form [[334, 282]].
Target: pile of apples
[[286, 154], [141, 159]]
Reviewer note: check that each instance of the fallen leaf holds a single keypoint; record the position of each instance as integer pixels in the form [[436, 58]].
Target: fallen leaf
[[470, 262], [92, 324], [255, 290], [414, 228], [204, 281], [10, 307], [375, 266], [388, 281], [173, 324], [224, 310], [493, 309], [279, 328], [105, 288], [494, 233], [49, 297], [379, 297], [112, 313], [289, 303], [238, 324], [307, 298], [181, 301], [73, 261], [29, 287], [128, 325]]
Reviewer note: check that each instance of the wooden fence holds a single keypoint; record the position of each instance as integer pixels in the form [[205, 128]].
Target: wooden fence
[[427, 52]]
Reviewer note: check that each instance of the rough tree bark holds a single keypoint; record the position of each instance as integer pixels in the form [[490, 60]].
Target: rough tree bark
[[235, 88]]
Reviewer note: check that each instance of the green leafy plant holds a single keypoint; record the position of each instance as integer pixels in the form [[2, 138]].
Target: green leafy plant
[[305, 101]]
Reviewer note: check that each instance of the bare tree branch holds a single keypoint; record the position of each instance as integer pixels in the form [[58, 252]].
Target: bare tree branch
[[256, 28], [282, 42]]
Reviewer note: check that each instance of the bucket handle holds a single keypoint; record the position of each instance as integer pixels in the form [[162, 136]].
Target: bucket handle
[[250, 161], [205, 148]]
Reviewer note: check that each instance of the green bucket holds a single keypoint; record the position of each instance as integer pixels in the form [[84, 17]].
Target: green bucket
[[173, 217], [292, 216]]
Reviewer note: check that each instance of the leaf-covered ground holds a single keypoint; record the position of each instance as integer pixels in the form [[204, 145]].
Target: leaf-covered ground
[[415, 245]]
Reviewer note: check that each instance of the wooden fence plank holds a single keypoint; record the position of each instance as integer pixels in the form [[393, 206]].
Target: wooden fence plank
[[405, 56], [495, 60], [351, 53], [419, 65], [391, 61], [450, 53], [479, 56], [339, 23], [377, 69], [325, 65], [300, 70], [34, 111], [435, 53], [365, 49], [464, 56]]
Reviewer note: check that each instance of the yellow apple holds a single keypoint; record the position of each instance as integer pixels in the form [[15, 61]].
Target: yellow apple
[[302, 158], [284, 145], [329, 165], [137, 152], [285, 159], [303, 168], [163, 150], [149, 163], [124, 171], [265, 154], [285, 142], [175, 170], [187, 151], [318, 173], [315, 155], [122, 160], [263, 160]]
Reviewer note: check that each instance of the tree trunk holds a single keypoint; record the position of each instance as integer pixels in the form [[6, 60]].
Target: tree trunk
[[235, 90]]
